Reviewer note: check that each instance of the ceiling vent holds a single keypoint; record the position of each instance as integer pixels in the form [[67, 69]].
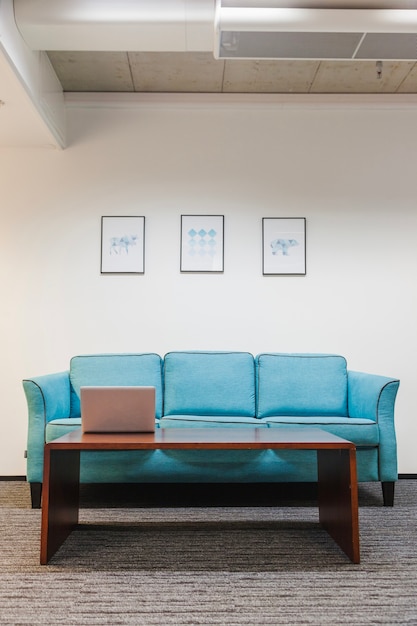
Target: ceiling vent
[[295, 33]]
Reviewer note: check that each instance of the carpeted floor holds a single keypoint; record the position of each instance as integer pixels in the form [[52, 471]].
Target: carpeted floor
[[203, 565]]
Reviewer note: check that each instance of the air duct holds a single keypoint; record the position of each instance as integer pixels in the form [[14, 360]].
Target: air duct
[[266, 30], [128, 25], [300, 33]]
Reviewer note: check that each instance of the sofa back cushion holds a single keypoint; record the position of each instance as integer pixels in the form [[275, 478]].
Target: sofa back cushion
[[209, 383], [115, 369], [301, 384]]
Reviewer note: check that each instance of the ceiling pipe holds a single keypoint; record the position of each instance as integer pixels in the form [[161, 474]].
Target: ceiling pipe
[[130, 25]]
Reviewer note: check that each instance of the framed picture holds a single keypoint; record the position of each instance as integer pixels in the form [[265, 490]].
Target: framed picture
[[202, 243], [284, 245], [122, 245]]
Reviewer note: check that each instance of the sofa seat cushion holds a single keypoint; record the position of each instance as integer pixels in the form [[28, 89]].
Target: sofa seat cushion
[[142, 369], [363, 432], [209, 421], [209, 383], [301, 384], [57, 428], [218, 465]]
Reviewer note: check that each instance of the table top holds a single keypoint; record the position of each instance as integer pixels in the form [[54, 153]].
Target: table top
[[218, 438]]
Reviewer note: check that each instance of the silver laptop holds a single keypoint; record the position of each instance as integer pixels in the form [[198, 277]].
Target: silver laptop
[[117, 409]]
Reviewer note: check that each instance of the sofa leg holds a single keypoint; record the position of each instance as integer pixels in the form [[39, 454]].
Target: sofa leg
[[388, 493], [36, 495]]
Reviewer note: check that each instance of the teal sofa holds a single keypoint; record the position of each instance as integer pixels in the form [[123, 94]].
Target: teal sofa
[[222, 389]]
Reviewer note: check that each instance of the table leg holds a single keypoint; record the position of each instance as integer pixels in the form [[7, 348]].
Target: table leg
[[338, 498], [60, 504]]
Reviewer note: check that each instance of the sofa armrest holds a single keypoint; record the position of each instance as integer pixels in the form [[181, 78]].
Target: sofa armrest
[[48, 398], [373, 397]]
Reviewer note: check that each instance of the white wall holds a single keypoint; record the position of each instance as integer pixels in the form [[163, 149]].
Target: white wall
[[350, 171]]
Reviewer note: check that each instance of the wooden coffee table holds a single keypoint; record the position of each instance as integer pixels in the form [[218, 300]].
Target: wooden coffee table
[[336, 464]]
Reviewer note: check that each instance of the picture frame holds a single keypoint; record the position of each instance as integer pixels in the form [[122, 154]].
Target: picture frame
[[122, 244], [202, 243], [284, 246]]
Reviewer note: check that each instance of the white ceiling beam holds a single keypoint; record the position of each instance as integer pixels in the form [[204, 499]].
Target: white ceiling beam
[[30, 73]]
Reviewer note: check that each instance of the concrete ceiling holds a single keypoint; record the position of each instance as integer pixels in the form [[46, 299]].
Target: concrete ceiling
[[171, 45], [160, 68], [188, 69], [200, 72]]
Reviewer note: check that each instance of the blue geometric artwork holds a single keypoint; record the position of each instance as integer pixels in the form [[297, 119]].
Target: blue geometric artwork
[[118, 245], [283, 245], [202, 243]]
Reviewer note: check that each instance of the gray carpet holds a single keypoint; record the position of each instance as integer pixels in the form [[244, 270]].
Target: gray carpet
[[210, 565]]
